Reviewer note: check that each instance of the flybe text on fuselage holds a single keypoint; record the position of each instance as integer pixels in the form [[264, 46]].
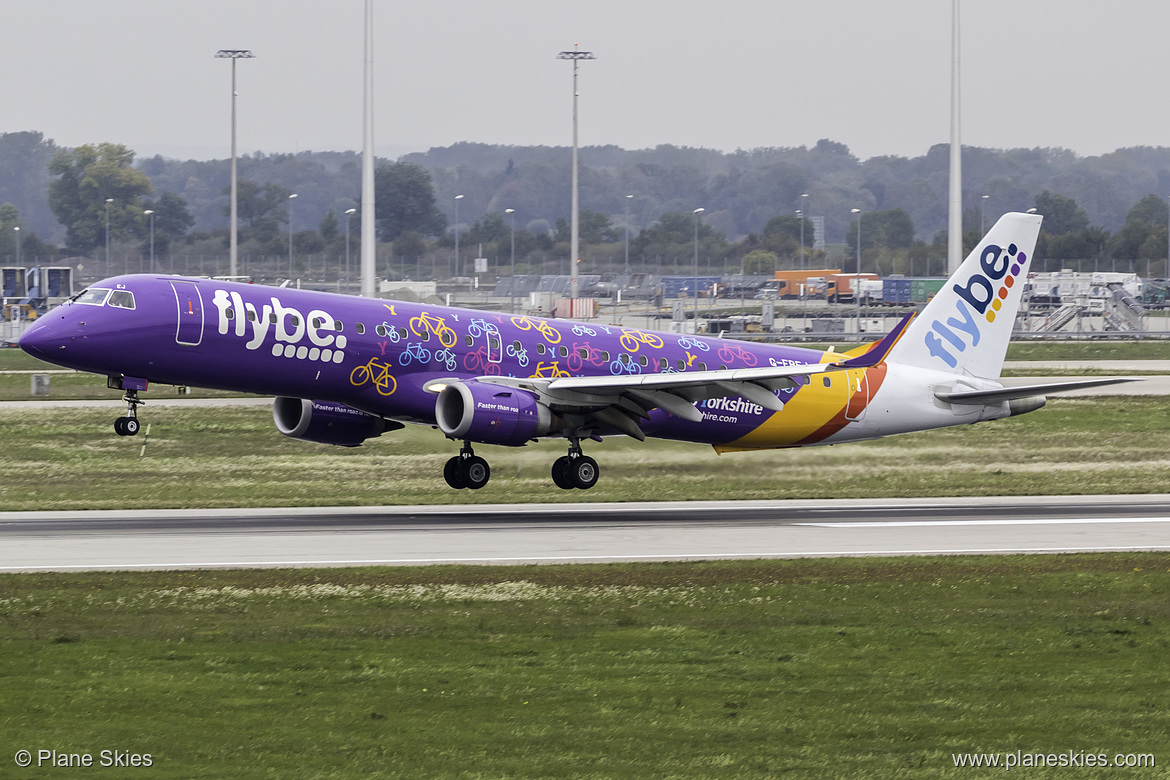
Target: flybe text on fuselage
[[289, 328], [978, 301]]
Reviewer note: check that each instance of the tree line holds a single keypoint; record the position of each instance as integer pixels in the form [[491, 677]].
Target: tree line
[[70, 201]]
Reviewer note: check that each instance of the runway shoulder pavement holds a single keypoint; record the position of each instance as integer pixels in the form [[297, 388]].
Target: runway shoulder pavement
[[575, 533]]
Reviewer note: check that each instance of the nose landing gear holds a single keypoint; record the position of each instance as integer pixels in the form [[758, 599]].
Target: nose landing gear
[[128, 425]]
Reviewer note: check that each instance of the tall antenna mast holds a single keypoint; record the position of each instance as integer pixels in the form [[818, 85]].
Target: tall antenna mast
[[574, 255], [368, 260]]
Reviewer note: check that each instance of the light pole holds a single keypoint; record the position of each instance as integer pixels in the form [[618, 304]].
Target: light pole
[[802, 212], [150, 213], [982, 216], [512, 302], [108, 202], [628, 199], [291, 198], [457, 199], [857, 279], [348, 214], [17, 230], [697, 212], [233, 55], [576, 56]]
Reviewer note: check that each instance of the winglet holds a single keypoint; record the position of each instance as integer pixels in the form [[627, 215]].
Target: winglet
[[881, 349]]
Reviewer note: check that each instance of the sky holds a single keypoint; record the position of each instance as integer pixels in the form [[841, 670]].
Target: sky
[[738, 74]]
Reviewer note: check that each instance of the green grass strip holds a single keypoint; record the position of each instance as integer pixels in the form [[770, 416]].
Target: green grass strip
[[861, 668], [70, 459]]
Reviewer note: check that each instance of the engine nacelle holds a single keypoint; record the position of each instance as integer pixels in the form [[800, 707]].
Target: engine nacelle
[[325, 422], [491, 414]]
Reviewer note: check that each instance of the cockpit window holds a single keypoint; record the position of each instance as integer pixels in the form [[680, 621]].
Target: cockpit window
[[123, 299], [94, 296]]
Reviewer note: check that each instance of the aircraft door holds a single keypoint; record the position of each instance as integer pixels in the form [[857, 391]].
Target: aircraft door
[[190, 312], [858, 395]]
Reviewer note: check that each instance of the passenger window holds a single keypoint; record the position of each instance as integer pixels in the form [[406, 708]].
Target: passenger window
[[337, 326], [402, 333], [123, 299], [251, 315], [641, 360], [540, 349], [583, 352], [702, 366], [564, 351], [229, 313], [469, 339], [381, 330], [360, 328], [828, 382], [626, 358], [493, 342], [682, 364]]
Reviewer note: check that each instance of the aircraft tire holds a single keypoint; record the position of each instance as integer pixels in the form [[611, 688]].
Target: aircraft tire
[[583, 472], [130, 426], [474, 472], [560, 473], [451, 471]]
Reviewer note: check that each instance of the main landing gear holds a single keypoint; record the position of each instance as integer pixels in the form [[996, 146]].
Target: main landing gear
[[128, 425], [468, 470], [575, 470]]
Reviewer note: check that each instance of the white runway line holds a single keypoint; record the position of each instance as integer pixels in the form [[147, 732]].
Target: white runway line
[[1020, 521]]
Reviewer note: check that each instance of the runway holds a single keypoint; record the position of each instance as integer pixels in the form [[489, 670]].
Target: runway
[[575, 533]]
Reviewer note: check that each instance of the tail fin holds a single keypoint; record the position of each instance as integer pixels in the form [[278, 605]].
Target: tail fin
[[965, 329]]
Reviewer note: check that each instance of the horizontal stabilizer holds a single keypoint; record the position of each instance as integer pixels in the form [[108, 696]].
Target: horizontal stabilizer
[[980, 397]]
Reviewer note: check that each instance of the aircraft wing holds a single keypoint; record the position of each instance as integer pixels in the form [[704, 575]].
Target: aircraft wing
[[980, 397], [620, 401]]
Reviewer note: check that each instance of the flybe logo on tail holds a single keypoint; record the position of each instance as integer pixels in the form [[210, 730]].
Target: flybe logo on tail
[[980, 298]]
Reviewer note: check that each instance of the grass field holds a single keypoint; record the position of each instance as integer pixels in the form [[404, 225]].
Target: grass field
[[860, 668], [798, 669], [198, 457]]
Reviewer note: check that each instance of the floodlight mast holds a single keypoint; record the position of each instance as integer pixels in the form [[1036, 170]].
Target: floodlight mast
[[369, 246], [233, 252], [574, 255]]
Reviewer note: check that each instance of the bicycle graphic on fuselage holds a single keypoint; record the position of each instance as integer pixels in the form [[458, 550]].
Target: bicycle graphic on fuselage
[[436, 325], [376, 372]]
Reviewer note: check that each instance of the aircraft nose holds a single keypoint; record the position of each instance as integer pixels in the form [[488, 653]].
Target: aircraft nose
[[41, 340]]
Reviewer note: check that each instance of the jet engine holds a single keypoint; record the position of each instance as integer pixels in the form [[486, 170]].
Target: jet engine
[[491, 414], [326, 422]]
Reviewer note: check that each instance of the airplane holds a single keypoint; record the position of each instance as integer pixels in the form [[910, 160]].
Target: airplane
[[345, 369]]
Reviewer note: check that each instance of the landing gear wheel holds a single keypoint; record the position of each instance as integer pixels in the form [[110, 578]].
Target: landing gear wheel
[[583, 472], [560, 473], [451, 473], [126, 426], [474, 472]]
